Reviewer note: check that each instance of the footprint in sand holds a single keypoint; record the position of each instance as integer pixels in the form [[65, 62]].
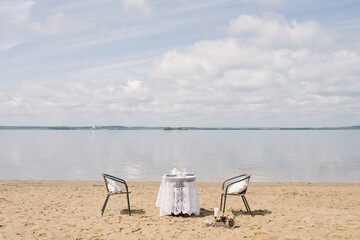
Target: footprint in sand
[[42, 235], [138, 229], [29, 224], [108, 221]]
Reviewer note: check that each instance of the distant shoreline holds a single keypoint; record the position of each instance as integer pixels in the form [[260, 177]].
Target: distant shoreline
[[168, 128]]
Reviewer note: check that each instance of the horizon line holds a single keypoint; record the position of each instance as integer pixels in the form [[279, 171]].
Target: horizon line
[[99, 127]]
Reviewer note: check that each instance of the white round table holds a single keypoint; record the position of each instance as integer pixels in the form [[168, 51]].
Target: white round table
[[178, 194]]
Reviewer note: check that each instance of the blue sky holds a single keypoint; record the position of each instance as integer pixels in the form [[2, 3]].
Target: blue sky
[[180, 63]]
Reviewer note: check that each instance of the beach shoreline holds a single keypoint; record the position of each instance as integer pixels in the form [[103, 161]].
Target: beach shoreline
[[53, 209]]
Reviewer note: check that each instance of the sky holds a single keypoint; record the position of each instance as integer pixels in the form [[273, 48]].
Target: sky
[[235, 63]]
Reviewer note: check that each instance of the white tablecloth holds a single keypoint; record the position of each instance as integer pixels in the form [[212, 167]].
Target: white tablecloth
[[178, 195]]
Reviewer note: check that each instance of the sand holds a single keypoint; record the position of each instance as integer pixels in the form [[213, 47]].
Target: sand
[[72, 210]]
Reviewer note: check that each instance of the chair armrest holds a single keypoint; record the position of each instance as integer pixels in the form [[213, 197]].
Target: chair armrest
[[227, 180]]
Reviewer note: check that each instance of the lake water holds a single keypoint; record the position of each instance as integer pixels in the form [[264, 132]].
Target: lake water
[[145, 155]]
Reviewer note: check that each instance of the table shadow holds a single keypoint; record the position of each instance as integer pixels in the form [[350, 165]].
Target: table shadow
[[205, 212]]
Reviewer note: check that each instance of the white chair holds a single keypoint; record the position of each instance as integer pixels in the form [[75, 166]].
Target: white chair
[[235, 186], [112, 189]]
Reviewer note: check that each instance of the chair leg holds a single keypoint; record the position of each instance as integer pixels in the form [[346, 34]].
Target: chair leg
[[247, 205], [221, 201], [106, 200], [224, 203], [128, 201]]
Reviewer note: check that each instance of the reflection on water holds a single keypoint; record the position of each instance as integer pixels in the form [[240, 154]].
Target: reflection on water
[[145, 155]]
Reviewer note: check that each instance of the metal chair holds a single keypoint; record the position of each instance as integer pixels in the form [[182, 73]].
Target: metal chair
[[109, 192], [229, 182]]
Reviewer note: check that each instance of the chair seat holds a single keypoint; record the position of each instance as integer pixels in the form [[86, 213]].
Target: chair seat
[[122, 192], [234, 194]]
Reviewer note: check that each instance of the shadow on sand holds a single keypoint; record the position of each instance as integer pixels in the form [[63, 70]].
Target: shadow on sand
[[205, 212], [133, 211], [259, 212]]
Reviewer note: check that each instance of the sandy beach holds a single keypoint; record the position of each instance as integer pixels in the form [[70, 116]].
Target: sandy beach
[[72, 210]]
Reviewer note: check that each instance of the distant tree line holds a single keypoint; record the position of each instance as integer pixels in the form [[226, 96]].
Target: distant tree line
[[164, 128]]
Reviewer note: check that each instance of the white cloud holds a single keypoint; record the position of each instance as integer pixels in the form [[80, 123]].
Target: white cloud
[[18, 22], [268, 63], [15, 10], [5, 46], [250, 80], [137, 8], [268, 71], [268, 2], [58, 24], [134, 86], [60, 103], [275, 31]]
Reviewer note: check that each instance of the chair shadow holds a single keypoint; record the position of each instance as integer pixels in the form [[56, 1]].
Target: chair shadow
[[205, 212], [133, 211], [259, 212]]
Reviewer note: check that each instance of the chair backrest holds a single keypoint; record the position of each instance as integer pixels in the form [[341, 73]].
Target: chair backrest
[[247, 179], [236, 184], [110, 183]]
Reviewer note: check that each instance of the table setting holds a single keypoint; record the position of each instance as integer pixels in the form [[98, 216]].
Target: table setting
[[220, 220], [178, 194]]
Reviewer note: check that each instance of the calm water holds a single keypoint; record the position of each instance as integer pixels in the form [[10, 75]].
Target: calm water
[[145, 155]]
